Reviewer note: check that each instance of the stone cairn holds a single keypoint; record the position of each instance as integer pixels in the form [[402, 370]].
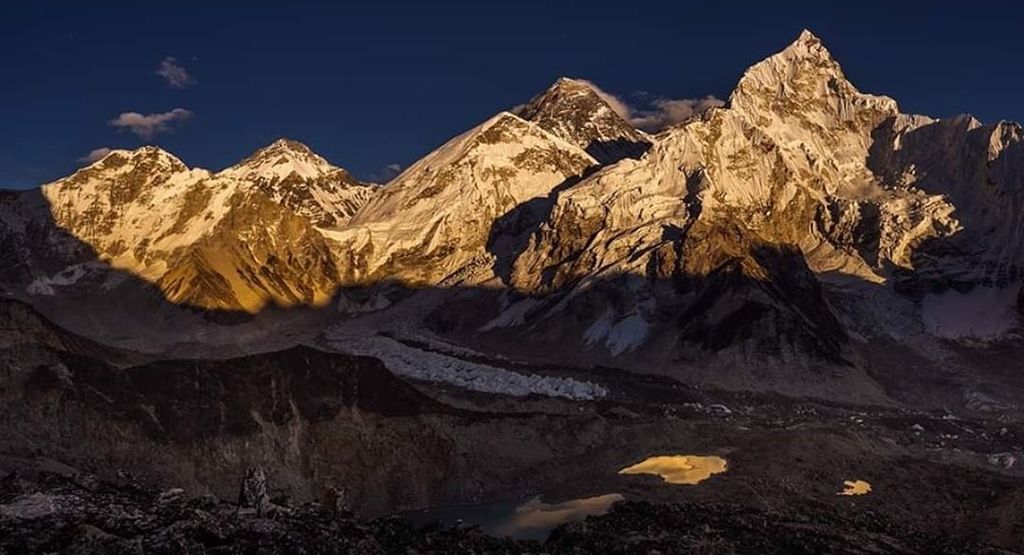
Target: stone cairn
[[252, 496]]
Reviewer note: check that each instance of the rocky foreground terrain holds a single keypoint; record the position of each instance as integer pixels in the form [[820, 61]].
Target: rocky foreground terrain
[[50, 513], [345, 448]]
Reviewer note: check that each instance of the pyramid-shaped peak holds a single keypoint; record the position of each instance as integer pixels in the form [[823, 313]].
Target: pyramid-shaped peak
[[571, 83], [579, 112], [806, 36], [805, 69], [567, 87], [280, 159], [284, 148], [287, 145], [807, 45]]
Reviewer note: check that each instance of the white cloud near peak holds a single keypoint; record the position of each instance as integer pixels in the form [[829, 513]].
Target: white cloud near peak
[[665, 112], [657, 113], [95, 155], [386, 174], [148, 126], [617, 104]]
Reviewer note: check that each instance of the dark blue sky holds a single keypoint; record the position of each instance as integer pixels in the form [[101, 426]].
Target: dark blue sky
[[375, 83]]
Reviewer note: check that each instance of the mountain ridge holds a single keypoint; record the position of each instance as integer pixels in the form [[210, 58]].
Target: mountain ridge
[[778, 217]]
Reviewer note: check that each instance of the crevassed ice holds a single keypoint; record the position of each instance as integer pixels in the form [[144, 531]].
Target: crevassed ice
[[435, 367]]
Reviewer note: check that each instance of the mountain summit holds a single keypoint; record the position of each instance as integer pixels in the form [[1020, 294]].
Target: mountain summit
[[572, 110], [281, 159], [290, 173]]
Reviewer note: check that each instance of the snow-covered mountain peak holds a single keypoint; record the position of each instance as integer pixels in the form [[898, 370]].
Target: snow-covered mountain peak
[[578, 112], [807, 37], [569, 84], [286, 144], [126, 174], [290, 173], [803, 71], [147, 158], [800, 99], [279, 160], [808, 46]]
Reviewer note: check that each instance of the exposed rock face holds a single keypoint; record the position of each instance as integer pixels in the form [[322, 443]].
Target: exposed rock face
[[259, 252], [571, 110]]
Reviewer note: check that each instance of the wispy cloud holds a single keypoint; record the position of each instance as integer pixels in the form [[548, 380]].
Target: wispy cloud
[[657, 113], [617, 104], [174, 73], [386, 174], [665, 112], [95, 155], [147, 126]]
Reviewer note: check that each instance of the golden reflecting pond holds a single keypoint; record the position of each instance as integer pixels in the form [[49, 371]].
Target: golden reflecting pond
[[531, 519], [536, 515], [679, 469], [855, 487]]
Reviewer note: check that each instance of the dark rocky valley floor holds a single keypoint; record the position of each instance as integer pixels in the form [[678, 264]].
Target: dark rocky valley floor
[[107, 452]]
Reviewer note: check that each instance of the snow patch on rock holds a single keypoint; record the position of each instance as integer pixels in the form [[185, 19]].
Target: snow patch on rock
[[514, 315], [618, 336], [44, 285]]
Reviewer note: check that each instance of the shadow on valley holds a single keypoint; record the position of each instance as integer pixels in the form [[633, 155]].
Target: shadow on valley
[[320, 422], [319, 419], [758, 319], [82, 292], [343, 431]]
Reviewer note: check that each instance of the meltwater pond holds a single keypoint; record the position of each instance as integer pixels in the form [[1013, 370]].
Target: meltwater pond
[[679, 469], [531, 519], [855, 487]]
